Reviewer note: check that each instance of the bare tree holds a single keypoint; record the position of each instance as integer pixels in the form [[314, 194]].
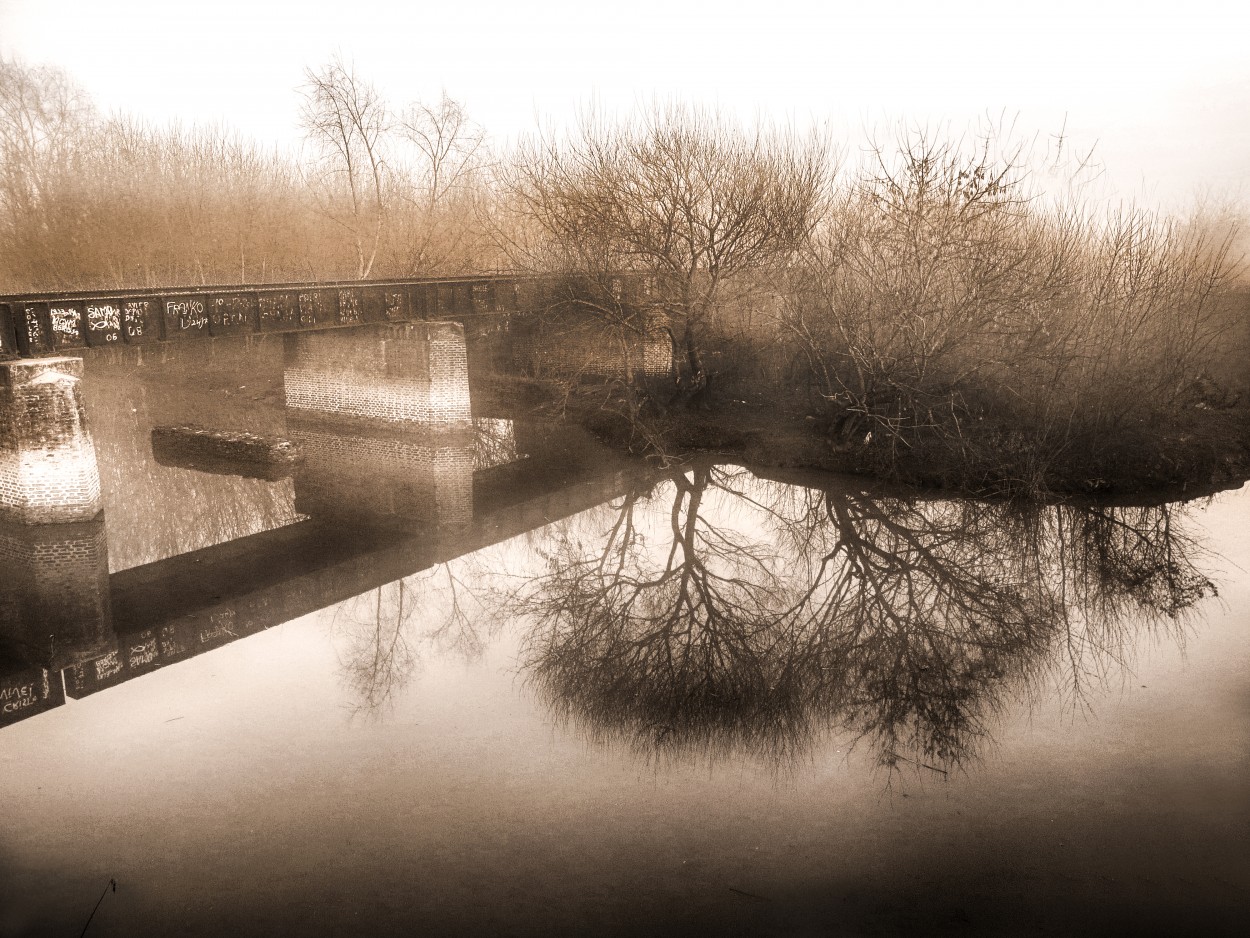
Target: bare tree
[[116, 202], [449, 143], [42, 115], [441, 189], [43, 118], [348, 122], [683, 196], [958, 320]]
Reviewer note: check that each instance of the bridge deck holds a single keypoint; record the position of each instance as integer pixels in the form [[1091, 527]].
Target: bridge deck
[[34, 324]]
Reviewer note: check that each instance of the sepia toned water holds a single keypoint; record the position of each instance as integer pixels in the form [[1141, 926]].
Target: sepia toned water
[[493, 680]]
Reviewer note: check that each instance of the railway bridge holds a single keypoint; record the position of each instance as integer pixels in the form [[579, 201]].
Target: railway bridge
[[392, 351], [35, 324], [393, 478]]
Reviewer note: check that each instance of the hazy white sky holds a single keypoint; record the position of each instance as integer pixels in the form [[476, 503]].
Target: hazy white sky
[[1163, 87]]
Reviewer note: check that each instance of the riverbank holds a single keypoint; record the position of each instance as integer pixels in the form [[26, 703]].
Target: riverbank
[[1197, 451]]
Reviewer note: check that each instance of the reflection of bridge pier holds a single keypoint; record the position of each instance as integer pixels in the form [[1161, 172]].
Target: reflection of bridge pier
[[177, 608], [382, 418], [55, 610], [180, 607]]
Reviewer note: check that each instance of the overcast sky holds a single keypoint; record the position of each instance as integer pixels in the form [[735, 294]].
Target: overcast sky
[[1163, 88]]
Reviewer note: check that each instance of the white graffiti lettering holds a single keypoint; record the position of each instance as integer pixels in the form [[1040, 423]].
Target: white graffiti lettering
[[65, 320], [190, 313], [13, 699], [102, 318], [135, 315]]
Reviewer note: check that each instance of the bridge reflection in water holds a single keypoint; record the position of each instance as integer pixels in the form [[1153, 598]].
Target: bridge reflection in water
[[396, 477], [54, 610]]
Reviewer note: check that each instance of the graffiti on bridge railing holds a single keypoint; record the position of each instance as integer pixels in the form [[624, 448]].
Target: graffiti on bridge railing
[[41, 324]]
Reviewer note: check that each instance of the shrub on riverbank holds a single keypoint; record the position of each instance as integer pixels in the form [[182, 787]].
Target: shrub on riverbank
[[954, 321], [944, 323]]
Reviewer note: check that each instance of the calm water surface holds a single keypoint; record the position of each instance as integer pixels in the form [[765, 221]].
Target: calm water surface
[[584, 696]]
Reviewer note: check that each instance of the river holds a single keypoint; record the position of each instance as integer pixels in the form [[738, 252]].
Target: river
[[496, 681]]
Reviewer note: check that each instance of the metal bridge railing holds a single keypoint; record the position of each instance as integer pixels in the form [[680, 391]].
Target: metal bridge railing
[[48, 323]]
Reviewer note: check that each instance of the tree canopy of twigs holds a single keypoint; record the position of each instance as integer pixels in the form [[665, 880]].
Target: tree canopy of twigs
[[684, 196], [944, 291], [450, 144], [347, 123]]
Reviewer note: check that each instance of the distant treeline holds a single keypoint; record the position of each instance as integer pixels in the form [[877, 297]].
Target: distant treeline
[[89, 201]]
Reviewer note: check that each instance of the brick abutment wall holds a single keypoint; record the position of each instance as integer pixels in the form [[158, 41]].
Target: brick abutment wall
[[382, 419], [411, 376], [563, 348], [48, 471]]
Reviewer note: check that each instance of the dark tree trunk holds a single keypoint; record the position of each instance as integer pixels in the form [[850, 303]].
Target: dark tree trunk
[[694, 360]]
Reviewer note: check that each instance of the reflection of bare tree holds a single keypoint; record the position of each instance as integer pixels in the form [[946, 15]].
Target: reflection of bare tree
[[494, 442], [720, 611], [1108, 573], [459, 626], [383, 630], [379, 659], [675, 644]]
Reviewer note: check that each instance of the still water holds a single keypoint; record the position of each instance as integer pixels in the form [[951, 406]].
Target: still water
[[492, 680]]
